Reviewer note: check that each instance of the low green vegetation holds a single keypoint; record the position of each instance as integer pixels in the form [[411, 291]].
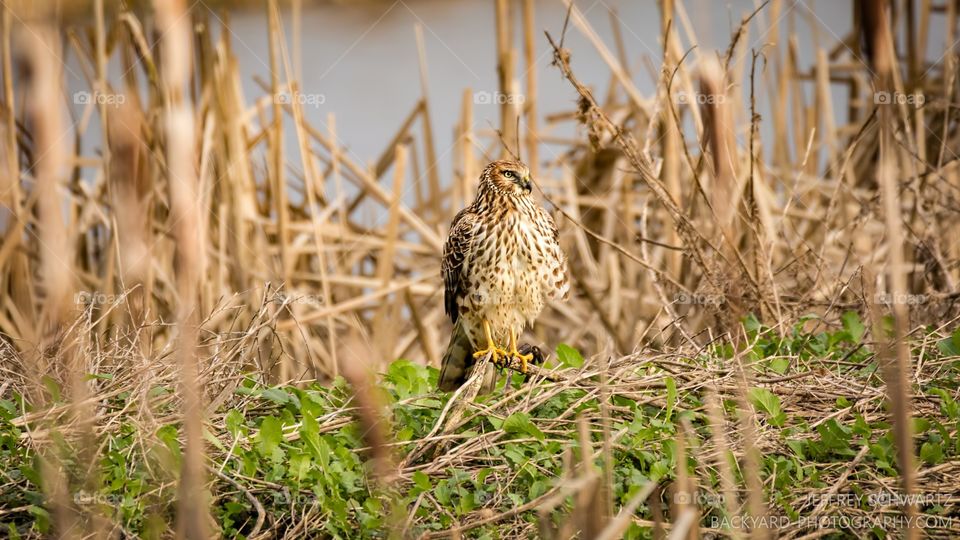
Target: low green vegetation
[[299, 454]]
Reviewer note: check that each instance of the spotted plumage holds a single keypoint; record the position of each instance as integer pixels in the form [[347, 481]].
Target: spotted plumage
[[501, 262]]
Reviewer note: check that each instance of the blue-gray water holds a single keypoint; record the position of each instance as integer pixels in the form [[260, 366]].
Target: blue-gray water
[[361, 57]]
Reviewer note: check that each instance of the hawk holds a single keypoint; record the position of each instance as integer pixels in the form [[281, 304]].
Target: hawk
[[501, 262]]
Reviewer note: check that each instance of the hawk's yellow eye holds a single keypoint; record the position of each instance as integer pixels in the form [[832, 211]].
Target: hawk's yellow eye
[[510, 174]]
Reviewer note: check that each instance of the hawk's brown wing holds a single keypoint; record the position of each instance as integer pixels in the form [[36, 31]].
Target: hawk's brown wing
[[556, 282], [455, 253]]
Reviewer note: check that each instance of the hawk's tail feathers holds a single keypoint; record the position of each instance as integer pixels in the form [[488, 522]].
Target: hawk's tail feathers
[[457, 364], [456, 360]]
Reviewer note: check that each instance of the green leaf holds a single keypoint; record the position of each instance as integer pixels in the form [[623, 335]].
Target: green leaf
[[752, 325], [833, 435], [483, 474], [442, 493], [168, 436], [769, 403], [422, 481], [405, 434], [276, 395], [519, 423], [41, 515], [211, 437], [53, 387], [671, 396], [300, 464], [948, 406], [408, 379], [931, 453], [951, 345], [780, 364], [234, 422], [569, 356], [853, 326], [798, 447], [270, 435]]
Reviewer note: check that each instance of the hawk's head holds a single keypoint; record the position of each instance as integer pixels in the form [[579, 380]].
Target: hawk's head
[[507, 177]]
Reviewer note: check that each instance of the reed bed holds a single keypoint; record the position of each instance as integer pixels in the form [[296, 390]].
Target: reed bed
[[195, 258]]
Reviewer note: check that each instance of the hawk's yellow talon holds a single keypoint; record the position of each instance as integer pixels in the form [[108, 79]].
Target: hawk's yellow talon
[[497, 355], [524, 358]]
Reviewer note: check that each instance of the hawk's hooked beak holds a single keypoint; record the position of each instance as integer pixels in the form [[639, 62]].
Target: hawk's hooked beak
[[526, 184]]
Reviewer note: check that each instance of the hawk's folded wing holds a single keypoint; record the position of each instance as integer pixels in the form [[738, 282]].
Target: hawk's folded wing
[[456, 252], [557, 284]]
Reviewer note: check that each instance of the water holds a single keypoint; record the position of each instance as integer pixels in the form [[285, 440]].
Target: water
[[362, 58], [360, 61]]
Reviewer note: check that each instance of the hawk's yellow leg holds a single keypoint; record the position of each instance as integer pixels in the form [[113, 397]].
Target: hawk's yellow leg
[[497, 355], [524, 358]]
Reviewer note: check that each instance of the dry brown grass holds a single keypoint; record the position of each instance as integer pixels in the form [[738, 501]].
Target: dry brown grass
[[194, 247]]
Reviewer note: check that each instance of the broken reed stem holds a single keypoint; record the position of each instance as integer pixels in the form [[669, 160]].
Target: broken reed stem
[[9, 183], [670, 169], [44, 115], [587, 514], [174, 24], [429, 147], [718, 434], [382, 324], [750, 466], [41, 43], [469, 163], [686, 484], [894, 357], [530, 101], [725, 193], [313, 183], [276, 169], [506, 62]]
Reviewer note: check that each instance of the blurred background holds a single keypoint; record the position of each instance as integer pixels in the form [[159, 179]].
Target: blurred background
[[300, 111]]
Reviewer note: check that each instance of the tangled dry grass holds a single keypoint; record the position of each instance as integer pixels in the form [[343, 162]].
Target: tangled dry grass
[[192, 250]]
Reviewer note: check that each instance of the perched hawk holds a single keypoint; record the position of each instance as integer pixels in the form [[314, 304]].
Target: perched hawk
[[501, 261]]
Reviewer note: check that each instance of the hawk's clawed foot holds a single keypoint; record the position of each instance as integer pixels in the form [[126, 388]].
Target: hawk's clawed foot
[[524, 358], [497, 355]]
